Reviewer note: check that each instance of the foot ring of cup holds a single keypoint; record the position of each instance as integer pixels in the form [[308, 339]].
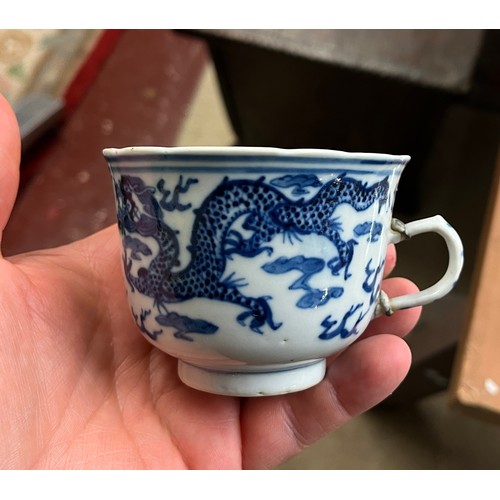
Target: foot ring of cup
[[251, 381]]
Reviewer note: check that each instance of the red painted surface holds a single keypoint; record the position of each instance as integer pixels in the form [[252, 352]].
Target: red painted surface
[[89, 70]]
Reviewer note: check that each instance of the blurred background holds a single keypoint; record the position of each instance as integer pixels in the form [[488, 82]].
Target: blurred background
[[433, 94]]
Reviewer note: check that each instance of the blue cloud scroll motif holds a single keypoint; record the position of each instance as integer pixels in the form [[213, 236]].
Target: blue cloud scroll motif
[[308, 266], [298, 182], [372, 229]]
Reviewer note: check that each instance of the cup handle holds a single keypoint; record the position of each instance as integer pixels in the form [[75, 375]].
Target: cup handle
[[400, 232]]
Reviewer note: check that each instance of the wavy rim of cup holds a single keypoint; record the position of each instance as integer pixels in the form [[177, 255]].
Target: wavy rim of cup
[[251, 151]]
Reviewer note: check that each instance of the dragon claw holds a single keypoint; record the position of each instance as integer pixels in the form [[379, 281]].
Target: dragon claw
[[256, 329], [261, 314]]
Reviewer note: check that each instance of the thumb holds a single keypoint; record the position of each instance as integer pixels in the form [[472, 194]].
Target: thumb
[[10, 153]]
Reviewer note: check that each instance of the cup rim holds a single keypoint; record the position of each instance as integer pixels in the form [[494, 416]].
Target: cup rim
[[173, 151]]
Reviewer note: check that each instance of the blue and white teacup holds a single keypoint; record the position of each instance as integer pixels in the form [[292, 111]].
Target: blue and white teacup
[[252, 265]]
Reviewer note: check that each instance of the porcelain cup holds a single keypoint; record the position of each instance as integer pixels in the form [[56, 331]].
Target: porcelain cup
[[252, 265]]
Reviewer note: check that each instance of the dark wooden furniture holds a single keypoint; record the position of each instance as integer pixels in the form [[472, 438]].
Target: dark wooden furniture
[[475, 386]]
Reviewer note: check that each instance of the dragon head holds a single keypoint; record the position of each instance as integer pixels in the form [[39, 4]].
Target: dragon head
[[137, 208]]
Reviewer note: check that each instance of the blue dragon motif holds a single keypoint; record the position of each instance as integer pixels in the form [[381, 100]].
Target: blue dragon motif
[[267, 213]]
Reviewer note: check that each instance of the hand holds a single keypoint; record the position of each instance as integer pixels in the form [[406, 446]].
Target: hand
[[80, 387]]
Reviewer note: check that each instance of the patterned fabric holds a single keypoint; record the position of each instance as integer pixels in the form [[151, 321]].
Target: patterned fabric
[[41, 60]]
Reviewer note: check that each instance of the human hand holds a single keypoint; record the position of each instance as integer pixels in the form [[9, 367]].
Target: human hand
[[81, 389]]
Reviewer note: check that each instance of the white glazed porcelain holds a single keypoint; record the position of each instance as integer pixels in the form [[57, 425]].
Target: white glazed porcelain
[[252, 265]]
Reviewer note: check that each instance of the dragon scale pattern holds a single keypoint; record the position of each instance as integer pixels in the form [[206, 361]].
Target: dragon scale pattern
[[266, 212]]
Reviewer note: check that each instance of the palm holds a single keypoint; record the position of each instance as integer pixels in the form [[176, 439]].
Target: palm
[[101, 396], [80, 388]]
